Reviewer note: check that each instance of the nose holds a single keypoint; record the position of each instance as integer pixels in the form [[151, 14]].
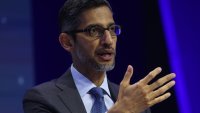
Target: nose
[[107, 39]]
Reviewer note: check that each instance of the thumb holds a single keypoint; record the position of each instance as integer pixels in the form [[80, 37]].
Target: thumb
[[128, 75], [126, 80]]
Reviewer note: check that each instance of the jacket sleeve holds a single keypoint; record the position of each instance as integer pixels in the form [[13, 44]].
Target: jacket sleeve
[[147, 111], [34, 102]]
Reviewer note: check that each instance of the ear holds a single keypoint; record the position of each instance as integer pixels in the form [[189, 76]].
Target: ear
[[66, 41]]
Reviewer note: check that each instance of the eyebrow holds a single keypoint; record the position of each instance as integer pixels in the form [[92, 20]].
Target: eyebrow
[[91, 25]]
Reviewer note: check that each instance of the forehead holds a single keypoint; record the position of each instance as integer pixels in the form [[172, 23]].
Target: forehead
[[101, 15]]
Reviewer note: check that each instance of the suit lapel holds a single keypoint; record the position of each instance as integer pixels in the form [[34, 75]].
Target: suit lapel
[[114, 90], [69, 94]]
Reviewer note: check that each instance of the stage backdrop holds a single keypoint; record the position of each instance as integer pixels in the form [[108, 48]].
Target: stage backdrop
[[181, 23], [16, 53]]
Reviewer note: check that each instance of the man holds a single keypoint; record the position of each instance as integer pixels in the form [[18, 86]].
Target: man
[[89, 33]]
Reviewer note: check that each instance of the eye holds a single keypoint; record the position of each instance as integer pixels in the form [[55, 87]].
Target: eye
[[112, 28], [95, 31], [115, 30]]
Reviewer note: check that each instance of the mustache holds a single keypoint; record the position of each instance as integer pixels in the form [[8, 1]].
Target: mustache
[[104, 50]]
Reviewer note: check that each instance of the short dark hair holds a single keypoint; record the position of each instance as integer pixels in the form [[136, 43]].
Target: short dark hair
[[71, 10]]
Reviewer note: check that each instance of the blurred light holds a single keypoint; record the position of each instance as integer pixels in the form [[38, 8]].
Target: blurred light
[[20, 80], [174, 56], [3, 20]]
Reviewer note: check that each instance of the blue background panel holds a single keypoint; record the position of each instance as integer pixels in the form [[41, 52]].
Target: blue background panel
[[16, 54]]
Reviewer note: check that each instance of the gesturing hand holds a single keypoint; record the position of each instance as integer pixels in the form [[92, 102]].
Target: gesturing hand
[[135, 98]]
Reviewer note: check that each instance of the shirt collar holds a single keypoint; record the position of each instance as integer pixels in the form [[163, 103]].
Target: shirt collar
[[83, 84]]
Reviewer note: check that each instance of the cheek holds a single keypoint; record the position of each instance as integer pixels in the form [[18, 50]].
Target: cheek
[[114, 43], [91, 49], [87, 48]]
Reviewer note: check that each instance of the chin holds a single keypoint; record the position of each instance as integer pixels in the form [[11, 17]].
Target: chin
[[105, 66]]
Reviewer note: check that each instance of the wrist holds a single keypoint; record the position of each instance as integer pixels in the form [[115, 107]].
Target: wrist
[[120, 108], [117, 108]]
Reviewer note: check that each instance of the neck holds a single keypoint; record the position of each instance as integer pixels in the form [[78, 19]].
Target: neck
[[94, 76]]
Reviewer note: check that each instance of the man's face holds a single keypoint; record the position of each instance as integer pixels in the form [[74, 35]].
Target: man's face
[[93, 52]]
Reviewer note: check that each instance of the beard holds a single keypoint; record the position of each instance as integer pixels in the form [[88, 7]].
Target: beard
[[92, 63]]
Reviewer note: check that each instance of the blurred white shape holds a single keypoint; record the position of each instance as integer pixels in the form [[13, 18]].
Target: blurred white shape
[[20, 80], [3, 20]]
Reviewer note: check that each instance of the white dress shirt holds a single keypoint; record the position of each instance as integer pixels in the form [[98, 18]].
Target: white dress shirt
[[84, 85]]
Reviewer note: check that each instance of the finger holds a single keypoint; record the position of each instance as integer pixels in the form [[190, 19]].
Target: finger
[[128, 75], [151, 75], [126, 80], [159, 99], [161, 90], [161, 81]]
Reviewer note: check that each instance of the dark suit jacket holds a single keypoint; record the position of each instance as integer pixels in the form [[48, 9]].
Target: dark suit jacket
[[59, 96]]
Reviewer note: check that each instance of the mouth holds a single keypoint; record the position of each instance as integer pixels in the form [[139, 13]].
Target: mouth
[[106, 55]]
